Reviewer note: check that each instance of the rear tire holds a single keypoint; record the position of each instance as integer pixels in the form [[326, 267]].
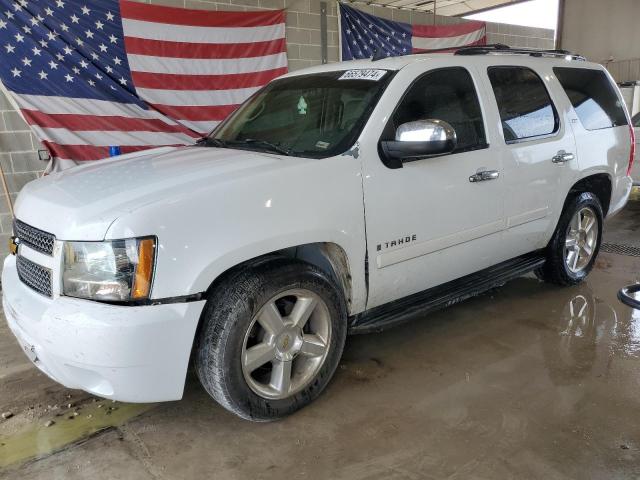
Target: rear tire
[[271, 338], [573, 249]]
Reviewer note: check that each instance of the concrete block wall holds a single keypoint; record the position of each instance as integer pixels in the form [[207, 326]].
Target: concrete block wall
[[18, 146], [19, 160]]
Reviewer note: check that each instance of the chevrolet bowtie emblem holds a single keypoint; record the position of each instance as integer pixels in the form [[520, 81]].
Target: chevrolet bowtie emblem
[[13, 245]]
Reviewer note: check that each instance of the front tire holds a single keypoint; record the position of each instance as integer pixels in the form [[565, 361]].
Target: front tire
[[574, 247], [271, 338]]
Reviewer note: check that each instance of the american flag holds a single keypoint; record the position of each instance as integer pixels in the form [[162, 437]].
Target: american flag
[[363, 35], [91, 74]]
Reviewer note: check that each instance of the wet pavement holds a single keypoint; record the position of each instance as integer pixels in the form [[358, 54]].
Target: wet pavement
[[526, 381]]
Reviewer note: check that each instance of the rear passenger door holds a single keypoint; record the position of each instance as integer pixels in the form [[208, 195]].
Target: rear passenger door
[[537, 149]]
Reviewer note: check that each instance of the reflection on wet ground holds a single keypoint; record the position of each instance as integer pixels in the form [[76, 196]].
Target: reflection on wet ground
[[527, 381]]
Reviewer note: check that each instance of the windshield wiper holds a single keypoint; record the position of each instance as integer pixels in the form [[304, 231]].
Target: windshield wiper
[[212, 142], [265, 143]]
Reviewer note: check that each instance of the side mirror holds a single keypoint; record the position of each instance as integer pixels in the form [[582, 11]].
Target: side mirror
[[420, 139]]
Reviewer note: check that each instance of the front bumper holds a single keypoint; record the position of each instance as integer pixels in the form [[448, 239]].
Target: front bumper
[[132, 354]]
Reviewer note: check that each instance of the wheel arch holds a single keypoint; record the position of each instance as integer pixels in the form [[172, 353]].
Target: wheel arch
[[329, 257], [599, 184]]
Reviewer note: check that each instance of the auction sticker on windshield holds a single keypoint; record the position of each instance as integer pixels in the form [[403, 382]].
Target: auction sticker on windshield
[[363, 74]]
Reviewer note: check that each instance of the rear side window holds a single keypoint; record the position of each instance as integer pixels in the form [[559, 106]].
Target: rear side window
[[526, 110], [593, 97]]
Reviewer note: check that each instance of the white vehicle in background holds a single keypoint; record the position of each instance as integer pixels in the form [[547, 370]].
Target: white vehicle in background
[[346, 197], [635, 171]]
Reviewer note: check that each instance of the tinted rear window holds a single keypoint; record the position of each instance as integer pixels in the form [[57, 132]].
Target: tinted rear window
[[593, 97], [525, 107]]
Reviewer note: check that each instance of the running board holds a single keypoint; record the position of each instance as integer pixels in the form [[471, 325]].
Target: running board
[[445, 295]]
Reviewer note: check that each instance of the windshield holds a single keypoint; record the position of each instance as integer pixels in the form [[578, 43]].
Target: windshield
[[316, 116]]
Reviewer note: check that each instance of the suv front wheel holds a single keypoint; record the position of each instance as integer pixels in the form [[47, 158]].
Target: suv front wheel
[[271, 338], [572, 251]]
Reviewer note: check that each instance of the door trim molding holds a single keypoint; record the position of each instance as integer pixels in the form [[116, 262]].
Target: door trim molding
[[416, 250]]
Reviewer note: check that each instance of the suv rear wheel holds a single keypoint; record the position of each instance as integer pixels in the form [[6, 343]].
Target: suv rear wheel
[[271, 338], [575, 243]]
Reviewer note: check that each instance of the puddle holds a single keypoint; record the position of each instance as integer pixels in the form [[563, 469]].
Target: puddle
[[37, 441]]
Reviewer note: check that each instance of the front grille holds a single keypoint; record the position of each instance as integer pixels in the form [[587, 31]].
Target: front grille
[[621, 249], [37, 239], [34, 276]]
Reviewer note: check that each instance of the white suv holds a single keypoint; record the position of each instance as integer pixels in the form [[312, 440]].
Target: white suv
[[342, 198]]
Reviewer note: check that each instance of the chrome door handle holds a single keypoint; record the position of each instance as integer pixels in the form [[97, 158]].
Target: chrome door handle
[[484, 175], [563, 157]]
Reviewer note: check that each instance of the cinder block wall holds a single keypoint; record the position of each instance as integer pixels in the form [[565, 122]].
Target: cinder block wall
[[18, 146]]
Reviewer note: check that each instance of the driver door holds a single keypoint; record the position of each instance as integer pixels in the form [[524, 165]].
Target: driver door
[[428, 222]]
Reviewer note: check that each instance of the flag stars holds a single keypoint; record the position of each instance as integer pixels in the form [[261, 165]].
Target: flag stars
[[26, 29], [99, 25], [68, 50], [64, 27], [76, 70], [74, 18], [16, 72], [88, 33], [59, 3], [19, 37], [123, 81], [95, 56], [10, 48], [8, 14], [68, 78], [83, 64], [98, 76], [113, 38], [36, 51], [117, 61], [79, 41], [85, 10], [33, 21], [53, 65], [3, 24], [48, 11], [92, 83], [43, 75], [102, 47], [60, 57], [43, 43], [109, 69], [24, 3], [52, 35], [26, 62], [110, 16]]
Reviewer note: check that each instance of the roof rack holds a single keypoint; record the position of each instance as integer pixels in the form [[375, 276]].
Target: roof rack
[[500, 48]]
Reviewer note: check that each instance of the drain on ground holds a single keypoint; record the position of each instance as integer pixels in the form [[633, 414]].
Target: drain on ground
[[621, 249]]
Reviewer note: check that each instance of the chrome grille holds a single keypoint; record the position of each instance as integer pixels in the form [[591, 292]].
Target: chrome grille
[[37, 239], [34, 276]]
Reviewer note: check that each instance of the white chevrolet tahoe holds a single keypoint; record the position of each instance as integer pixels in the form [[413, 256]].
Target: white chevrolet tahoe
[[342, 198]]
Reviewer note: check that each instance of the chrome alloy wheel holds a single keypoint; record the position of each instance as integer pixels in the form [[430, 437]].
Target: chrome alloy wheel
[[581, 239], [286, 344]]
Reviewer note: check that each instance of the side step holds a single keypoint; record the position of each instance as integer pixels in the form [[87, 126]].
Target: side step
[[441, 296]]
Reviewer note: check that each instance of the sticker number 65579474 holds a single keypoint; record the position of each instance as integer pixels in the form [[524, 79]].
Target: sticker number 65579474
[[363, 74]]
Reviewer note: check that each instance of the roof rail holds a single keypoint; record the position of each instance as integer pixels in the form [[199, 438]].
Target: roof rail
[[500, 48]]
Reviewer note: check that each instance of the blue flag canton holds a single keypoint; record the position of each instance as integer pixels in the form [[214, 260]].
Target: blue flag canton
[[66, 48], [363, 35]]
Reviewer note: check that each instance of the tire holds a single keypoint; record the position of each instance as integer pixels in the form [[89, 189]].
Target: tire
[[560, 268], [234, 322]]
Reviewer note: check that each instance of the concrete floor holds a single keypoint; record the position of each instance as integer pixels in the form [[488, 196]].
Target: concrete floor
[[526, 381]]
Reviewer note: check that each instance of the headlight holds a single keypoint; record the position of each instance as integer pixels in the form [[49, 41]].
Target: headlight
[[117, 270]]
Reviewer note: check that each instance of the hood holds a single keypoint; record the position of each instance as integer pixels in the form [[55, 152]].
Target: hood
[[82, 202]]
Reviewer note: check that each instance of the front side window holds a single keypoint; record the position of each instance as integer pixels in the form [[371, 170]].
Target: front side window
[[447, 94], [525, 107], [593, 97], [316, 116]]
